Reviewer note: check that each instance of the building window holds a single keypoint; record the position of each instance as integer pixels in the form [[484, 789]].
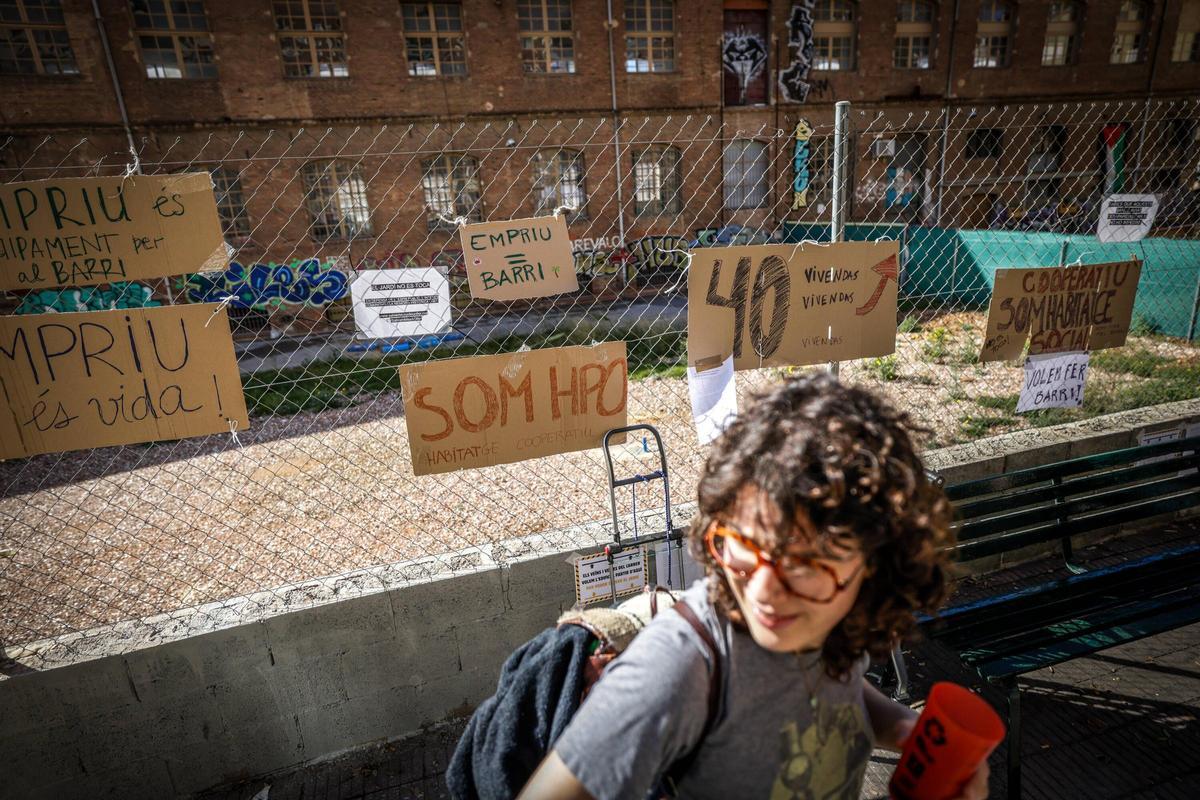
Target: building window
[[336, 196], [558, 182], [657, 181], [985, 143], [451, 184], [547, 41], [174, 39], [833, 35], [231, 203], [820, 171], [650, 35], [914, 34], [33, 39], [1129, 36], [311, 38], [745, 163], [1062, 32], [1187, 33], [433, 39], [992, 34]]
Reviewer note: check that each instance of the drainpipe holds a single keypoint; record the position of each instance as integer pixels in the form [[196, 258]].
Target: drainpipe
[[937, 219], [112, 70], [1153, 56], [612, 83]]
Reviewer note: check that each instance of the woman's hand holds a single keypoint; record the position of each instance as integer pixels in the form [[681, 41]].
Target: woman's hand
[[974, 789]]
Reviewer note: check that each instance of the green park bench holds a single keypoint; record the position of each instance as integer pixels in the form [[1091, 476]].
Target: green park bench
[[1081, 611]]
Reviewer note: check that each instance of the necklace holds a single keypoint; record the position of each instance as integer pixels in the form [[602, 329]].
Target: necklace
[[811, 687]]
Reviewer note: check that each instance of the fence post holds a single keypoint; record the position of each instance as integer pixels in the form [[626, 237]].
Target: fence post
[[841, 152], [1195, 311]]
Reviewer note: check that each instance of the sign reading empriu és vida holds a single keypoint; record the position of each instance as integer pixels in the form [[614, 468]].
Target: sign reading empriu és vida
[[519, 259], [87, 231], [477, 412]]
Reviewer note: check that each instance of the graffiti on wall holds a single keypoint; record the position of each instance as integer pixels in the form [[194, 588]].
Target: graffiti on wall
[[730, 235], [793, 81], [643, 257], [89, 298], [305, 282], [802, 135], [743, 54]]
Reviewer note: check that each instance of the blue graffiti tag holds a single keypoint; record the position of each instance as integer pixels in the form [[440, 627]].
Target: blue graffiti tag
[[91, 298], [299, 283]]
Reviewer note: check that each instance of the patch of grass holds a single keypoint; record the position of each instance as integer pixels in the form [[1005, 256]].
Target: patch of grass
[[1142, 325], [884, 369], [909, 324], [1140, 362], [972, 427], [956, 392], [998, 402], [937, 343]]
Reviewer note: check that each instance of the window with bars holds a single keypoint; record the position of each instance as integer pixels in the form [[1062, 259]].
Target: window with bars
[[650, 35], [174, 39], [985, 143], [452, 189], [547, 36], [745, 167], [1129, 34], [311, 39], [231, 203], [657, 181], [558, 180], [336, 196], [992, 33], [1062, 33], [1187, 33], [33, 39], [433, 39], [914, 34], [833, 35]]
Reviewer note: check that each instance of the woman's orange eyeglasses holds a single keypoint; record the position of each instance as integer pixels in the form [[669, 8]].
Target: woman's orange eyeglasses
[[804, 577]]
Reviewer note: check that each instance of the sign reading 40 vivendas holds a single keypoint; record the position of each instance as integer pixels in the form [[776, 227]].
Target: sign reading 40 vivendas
[[87, 231]]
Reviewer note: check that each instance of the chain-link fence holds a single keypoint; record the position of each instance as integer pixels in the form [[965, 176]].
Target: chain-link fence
[[322, 484]]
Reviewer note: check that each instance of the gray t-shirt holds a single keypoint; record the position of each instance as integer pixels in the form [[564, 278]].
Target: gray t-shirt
[[650, 707]]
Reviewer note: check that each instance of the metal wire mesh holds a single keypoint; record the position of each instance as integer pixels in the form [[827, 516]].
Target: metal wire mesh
[[322, 485]]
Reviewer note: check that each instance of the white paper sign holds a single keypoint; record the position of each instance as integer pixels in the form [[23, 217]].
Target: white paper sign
[[1053, 381], [400, 302], [1126, 217], [592, 575], [714, 399]]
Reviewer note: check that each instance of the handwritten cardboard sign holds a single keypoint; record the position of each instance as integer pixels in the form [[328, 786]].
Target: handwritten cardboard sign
[[85, 231], [477, 412], [100, 378], [400, 302], [519, 258], [1053, 380], [1060, 309], [790, 304]]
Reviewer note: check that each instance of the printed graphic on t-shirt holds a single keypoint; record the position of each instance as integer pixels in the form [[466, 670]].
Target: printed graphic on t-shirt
[[827, 761]]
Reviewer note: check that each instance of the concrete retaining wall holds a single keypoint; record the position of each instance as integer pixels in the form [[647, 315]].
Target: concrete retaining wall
[[163, 710]]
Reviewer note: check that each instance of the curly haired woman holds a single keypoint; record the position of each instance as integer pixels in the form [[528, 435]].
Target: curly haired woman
[[821, 538]]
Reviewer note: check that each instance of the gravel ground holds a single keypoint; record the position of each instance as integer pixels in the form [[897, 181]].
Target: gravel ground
[[99, 536]]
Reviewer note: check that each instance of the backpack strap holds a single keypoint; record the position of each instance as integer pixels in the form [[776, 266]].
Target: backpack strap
[[677, 770]]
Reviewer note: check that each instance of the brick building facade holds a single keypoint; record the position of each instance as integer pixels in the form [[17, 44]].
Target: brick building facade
[[341, 129]]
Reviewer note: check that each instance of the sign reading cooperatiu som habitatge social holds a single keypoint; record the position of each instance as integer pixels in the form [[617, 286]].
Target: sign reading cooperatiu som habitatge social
[[88, 231]]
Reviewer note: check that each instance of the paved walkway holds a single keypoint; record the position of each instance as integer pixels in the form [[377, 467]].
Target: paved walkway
[[1124, 723]]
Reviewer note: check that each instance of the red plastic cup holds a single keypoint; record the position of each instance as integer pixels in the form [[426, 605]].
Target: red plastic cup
[[956, 732]]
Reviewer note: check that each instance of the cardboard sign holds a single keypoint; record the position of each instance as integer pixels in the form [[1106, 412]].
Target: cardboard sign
[[519, 258], [1126, 217], [85, 231], [791, 304], [100, 378], [592, 575], [1053, 381], [400, 302], [477, 412], [1060, 309]]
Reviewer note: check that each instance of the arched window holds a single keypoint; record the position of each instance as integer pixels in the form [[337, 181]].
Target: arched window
[[451, 186], [993, 34], [745, 165], [657, 181], [833, 35], [1062, 34], [336, 196], [914, 34], [1129, 35], [558, 181], [1187, 33]]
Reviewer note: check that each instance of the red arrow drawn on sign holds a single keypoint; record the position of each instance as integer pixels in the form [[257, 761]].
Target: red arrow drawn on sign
[[887, 269]]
